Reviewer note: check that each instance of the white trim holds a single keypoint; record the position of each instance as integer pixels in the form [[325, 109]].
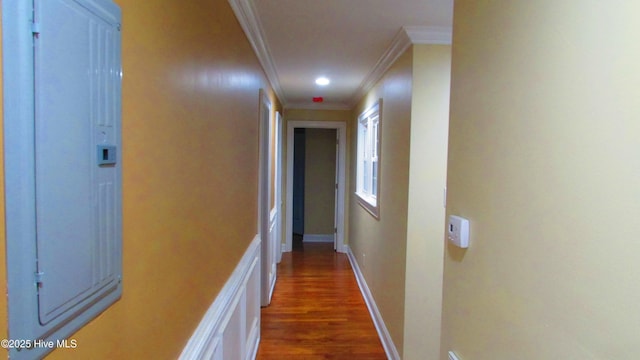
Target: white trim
[[383, 333], [208, 338], [264, 191], [249, 21], [407, 36], [435, 35], [318, 238], [341, 128], [278, 186]]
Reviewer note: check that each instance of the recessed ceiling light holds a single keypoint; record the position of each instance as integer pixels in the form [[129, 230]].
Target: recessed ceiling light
[[322, 81]]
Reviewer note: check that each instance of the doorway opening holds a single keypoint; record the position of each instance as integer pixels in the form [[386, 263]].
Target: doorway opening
[[314, 186], [316, 158]]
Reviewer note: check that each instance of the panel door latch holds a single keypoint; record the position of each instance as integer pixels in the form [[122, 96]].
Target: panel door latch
[[106, 155]]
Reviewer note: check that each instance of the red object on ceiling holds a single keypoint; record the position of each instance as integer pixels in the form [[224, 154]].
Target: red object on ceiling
[[318, 99]]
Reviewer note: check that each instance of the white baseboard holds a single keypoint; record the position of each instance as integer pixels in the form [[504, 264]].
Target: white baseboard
[[383, 333], [318, 238], [223, 332]]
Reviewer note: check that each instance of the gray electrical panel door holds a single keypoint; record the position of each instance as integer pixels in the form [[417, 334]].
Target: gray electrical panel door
[[77, 167], [62, 167]]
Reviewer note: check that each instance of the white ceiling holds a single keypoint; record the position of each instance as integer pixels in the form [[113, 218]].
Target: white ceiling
[[352, 42]]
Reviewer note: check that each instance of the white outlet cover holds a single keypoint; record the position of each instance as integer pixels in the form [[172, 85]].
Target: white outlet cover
[[458, 231]]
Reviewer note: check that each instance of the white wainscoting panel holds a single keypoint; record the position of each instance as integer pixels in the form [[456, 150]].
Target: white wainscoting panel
[[383, 333], [231, 327]]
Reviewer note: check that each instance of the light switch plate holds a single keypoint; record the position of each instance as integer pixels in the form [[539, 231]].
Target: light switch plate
[[458, 230]]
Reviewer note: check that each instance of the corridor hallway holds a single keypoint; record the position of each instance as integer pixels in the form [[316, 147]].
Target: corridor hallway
[[317, 310]]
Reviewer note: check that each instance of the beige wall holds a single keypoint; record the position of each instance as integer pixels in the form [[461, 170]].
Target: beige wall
[[543, 160], [426, 212], [317, 115], [380, 245], [320, 178], [190, 154]]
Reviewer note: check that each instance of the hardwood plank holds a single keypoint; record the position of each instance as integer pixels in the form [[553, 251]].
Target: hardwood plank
[[317, 310]]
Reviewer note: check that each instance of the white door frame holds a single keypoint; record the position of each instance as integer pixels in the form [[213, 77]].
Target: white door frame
[[263, 197], [341, 129], [278, 186]]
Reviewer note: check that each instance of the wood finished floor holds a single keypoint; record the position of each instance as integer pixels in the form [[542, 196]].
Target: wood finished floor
[[317, 310]]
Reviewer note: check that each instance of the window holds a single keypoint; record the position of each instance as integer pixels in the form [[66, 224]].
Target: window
[[368, 162]]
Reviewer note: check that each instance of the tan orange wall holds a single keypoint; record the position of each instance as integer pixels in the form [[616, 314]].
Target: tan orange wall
[[544, 161], [380, 245], [190, 134]]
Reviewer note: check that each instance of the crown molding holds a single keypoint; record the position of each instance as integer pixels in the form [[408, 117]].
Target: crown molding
[[435, 35], [407, 36], [399, 45], [247, 17]]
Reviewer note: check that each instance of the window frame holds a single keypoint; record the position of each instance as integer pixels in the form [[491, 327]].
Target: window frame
[[368, 153]]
